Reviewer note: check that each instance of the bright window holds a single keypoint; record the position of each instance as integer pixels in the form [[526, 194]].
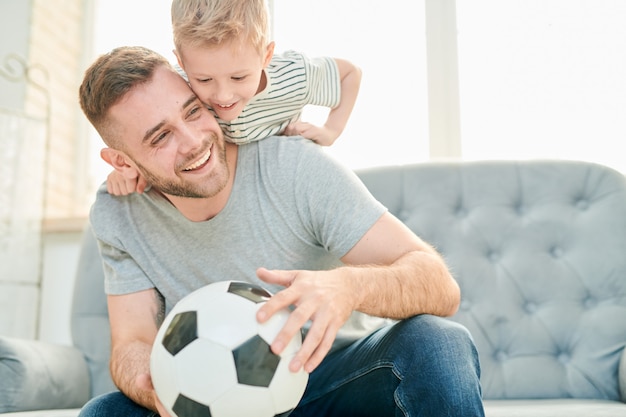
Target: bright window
[[389, 124], [543, 79]]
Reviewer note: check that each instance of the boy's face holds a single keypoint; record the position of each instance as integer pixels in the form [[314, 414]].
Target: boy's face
[[227, 76]]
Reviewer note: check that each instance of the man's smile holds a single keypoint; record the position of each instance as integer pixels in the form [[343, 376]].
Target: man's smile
[[200, 162]]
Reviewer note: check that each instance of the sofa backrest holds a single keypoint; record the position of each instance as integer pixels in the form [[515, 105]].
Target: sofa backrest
[[90, 317], [539, 250]]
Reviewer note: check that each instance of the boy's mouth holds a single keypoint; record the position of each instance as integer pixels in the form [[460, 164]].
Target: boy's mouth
[[226, 106]]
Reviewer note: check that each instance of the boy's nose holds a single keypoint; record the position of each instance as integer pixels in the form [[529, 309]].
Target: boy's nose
[[223, 95]]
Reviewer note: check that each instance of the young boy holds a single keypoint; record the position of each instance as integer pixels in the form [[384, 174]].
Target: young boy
[[223, 48]]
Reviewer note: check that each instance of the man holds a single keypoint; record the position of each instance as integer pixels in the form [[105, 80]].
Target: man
[[278, 212]]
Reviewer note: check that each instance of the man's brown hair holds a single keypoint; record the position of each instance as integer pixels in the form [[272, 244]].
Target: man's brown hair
[[110, 78]]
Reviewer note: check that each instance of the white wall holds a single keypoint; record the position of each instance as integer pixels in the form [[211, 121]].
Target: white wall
[[14, 28], [60, 258]]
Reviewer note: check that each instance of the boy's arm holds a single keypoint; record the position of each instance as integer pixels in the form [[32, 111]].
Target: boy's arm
[[350, 78]]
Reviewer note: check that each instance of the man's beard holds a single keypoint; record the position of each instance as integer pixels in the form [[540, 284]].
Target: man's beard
[[181, 188]]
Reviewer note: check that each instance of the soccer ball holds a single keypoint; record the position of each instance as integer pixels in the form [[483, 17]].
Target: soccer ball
[[212, 358]]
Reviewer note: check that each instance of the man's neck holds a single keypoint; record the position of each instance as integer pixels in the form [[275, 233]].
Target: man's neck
[[202, 209]]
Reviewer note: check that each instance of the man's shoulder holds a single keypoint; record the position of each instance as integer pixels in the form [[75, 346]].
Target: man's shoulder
[[290, 147], [111, 214]]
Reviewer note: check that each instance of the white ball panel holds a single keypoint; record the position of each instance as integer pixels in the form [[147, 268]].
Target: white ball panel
[[244, 400], [234, 323], [204, 371], [161, 369], [287, 387]]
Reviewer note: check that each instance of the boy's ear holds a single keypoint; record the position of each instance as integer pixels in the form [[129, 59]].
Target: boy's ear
[[120, 162], [269, 53]]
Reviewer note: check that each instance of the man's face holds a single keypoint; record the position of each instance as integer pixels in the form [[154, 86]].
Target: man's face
[[171, 138]]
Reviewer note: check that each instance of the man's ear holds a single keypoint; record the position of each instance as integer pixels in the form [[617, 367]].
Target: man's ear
[[120, 162], [269, 53]]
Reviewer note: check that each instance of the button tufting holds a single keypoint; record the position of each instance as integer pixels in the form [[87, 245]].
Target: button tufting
[[563, 358], [582, 204], [501, 356], [556, 252], [493, 256], [530, 307], [465, 305], [590, 302], [460, 212], [520, 209]]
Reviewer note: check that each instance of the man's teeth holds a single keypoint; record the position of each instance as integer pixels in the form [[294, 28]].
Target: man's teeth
[[199, 162]]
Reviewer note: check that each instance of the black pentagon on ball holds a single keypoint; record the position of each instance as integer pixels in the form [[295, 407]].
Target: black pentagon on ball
[[252, 292], [186, 407], [255, 363], [182, 330]]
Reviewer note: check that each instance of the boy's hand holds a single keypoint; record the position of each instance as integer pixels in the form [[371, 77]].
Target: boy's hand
[[119, 185], [320, 135]]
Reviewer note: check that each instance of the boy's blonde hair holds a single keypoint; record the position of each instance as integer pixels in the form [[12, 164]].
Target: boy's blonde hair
[[201, 23]]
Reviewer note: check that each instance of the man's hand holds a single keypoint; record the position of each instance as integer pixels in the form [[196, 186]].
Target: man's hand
[[322, 297], [144, 381]]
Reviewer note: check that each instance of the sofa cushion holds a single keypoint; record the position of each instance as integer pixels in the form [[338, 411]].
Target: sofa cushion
[[36, 375]]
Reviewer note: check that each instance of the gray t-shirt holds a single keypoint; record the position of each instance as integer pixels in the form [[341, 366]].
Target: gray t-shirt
[[291, 207]]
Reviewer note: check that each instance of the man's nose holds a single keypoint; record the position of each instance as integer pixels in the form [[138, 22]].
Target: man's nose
[[190, 138]]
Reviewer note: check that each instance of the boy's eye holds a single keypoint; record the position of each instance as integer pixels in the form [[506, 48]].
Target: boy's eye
[[203, 80], [239, 78]]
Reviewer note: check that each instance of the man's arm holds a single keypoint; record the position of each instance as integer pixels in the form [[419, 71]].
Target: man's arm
[[398, 275], [135, 319], [390, 273]]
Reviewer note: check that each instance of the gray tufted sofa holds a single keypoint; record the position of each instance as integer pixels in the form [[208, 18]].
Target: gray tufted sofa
[[538, 247]]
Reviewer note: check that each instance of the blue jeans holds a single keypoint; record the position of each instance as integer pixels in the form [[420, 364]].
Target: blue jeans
[[422, 366]]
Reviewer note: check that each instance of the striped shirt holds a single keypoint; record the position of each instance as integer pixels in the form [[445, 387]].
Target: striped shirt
[[293, 81]]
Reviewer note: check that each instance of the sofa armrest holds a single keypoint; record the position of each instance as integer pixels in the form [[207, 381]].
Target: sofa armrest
[[36, 375]]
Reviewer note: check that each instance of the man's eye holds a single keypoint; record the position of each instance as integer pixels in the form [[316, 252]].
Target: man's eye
[[194, 110], [159, 138]]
